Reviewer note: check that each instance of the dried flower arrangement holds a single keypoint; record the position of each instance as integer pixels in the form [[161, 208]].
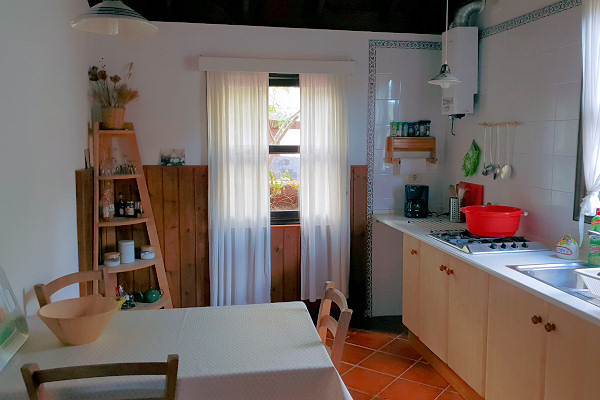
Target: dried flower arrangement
[[117, 95]]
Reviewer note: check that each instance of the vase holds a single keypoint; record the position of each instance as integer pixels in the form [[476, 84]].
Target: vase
[[113, 118]]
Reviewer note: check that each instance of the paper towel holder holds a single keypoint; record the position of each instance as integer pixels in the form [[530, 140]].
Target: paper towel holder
[[409, 144]]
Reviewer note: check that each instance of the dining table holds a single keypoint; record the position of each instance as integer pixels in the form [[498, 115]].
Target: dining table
[[259, 351]]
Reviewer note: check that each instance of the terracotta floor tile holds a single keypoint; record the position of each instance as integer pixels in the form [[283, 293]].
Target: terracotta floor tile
[[372, 340], [424, 373], [402, 389], [387, 363], [359, 395], [355, 354], [447, 395], [366, 380], [344, 367], [400, 347]]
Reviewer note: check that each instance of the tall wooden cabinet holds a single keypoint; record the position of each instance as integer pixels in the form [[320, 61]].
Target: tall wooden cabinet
[[140, 229]]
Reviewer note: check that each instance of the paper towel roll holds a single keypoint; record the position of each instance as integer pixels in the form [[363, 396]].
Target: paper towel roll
[[413, 166]]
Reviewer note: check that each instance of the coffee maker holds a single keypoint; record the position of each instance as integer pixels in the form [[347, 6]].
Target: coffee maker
[[416, 201]]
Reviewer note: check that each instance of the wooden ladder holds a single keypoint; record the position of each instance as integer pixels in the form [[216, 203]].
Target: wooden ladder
[[107, 233]]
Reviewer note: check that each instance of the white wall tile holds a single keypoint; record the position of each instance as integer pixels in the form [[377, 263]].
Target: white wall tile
[[388, 86], [567, 101], [563, 174], [386, 111], [541, 169], [565, 138], [381, 132], [543, 137]]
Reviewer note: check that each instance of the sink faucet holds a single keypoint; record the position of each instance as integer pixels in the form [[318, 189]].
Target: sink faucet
[[593, 234]]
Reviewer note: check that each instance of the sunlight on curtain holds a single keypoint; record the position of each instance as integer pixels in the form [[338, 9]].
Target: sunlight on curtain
[[590, 44], [238, 151], [325, 187]]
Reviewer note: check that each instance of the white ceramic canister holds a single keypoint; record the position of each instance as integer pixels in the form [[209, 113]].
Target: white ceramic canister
[[147, 253], [112, 259], [127, 250]]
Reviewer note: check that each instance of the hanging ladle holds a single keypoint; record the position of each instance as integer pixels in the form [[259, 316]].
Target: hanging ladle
[[486, 168], [497, 166], [506, 171]]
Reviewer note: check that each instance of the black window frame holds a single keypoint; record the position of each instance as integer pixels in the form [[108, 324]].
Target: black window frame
[[284, 217]]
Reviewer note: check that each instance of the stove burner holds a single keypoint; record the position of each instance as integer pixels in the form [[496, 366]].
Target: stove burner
[[467, 242]]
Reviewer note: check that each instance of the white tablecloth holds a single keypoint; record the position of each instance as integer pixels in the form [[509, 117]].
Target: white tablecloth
[[267, 351]]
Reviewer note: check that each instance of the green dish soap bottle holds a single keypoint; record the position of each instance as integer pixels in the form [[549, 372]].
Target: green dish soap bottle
[[594, 253]]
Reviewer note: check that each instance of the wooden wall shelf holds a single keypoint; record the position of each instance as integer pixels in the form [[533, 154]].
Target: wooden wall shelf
[[403, 144]]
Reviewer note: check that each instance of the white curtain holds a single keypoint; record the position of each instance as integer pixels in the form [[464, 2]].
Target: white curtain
[[238, 151], [590, 104], [324, 188]]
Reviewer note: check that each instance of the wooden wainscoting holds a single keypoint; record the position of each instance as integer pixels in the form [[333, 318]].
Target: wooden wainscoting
[[285, 263], [358, 239], [179, 197]]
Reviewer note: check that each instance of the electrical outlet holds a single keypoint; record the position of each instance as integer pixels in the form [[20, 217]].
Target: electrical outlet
[[413, 178]]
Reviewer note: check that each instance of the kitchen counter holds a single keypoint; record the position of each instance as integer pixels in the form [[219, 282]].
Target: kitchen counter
[[496, 264]]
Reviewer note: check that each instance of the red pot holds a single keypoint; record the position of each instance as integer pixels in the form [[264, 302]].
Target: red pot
[[493, 221]]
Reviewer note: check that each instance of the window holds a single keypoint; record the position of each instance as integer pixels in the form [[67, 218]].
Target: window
[[284, 148]]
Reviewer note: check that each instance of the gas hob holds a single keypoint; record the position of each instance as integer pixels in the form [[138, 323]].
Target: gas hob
[[466, 242]]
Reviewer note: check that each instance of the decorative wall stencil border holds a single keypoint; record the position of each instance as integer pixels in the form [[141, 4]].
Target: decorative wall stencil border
[[373, 46], [529, 17]]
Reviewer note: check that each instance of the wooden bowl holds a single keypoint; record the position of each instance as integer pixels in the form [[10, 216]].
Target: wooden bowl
[[79, 321]]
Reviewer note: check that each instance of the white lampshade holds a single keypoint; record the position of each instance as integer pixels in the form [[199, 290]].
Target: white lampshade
[[445, 78], [113, 18]]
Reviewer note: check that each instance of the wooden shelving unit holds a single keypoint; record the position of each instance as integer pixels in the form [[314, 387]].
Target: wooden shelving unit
[[141, 229], [404, 144]]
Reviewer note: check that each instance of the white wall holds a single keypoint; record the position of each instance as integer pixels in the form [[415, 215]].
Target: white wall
[[43, 131], [171, 110], [530, 74]]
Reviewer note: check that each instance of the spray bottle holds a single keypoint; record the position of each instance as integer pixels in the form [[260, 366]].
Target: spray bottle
[[594, 253]]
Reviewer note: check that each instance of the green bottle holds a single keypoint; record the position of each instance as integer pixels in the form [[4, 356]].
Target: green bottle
[[594, 253]]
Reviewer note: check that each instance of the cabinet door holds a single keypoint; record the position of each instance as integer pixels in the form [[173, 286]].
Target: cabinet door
[[433, 300], [467, 322], [516, 347], [411, 249], [572, 357]]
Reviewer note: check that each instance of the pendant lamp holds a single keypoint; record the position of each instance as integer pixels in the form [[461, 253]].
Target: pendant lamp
[[445, 78], [113, 18]]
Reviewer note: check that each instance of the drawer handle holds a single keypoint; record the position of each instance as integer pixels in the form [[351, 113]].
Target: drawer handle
[[536, 319], [449, 271], [443, 268], [549, 327], [413, 252]]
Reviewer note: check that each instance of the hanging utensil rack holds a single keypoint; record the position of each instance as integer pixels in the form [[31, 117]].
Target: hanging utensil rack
[[495, 124]]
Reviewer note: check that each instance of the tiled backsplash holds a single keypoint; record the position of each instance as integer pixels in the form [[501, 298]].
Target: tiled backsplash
[[402, 94], [530, 74]]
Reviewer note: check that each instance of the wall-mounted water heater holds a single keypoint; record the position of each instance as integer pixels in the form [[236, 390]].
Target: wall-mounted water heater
[[463, 58]]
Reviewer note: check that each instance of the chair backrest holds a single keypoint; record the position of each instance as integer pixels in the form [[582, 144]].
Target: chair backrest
[[35, 378], [43, 292], [339, 328]]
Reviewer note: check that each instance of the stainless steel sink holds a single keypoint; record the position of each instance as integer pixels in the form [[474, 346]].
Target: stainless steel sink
[[562, 277]]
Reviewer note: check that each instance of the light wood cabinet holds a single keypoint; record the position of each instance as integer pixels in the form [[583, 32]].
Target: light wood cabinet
[[452, 307], [572, 357], [467, 322], [537, 350], [515, 344], [411, 250], [433, 300]]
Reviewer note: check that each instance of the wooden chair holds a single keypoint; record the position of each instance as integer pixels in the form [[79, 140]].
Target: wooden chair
[[339, 328], [35, 378], [43, 292]]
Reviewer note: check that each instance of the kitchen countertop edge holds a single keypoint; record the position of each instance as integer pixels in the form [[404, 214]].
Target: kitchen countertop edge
[[496, 265]]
